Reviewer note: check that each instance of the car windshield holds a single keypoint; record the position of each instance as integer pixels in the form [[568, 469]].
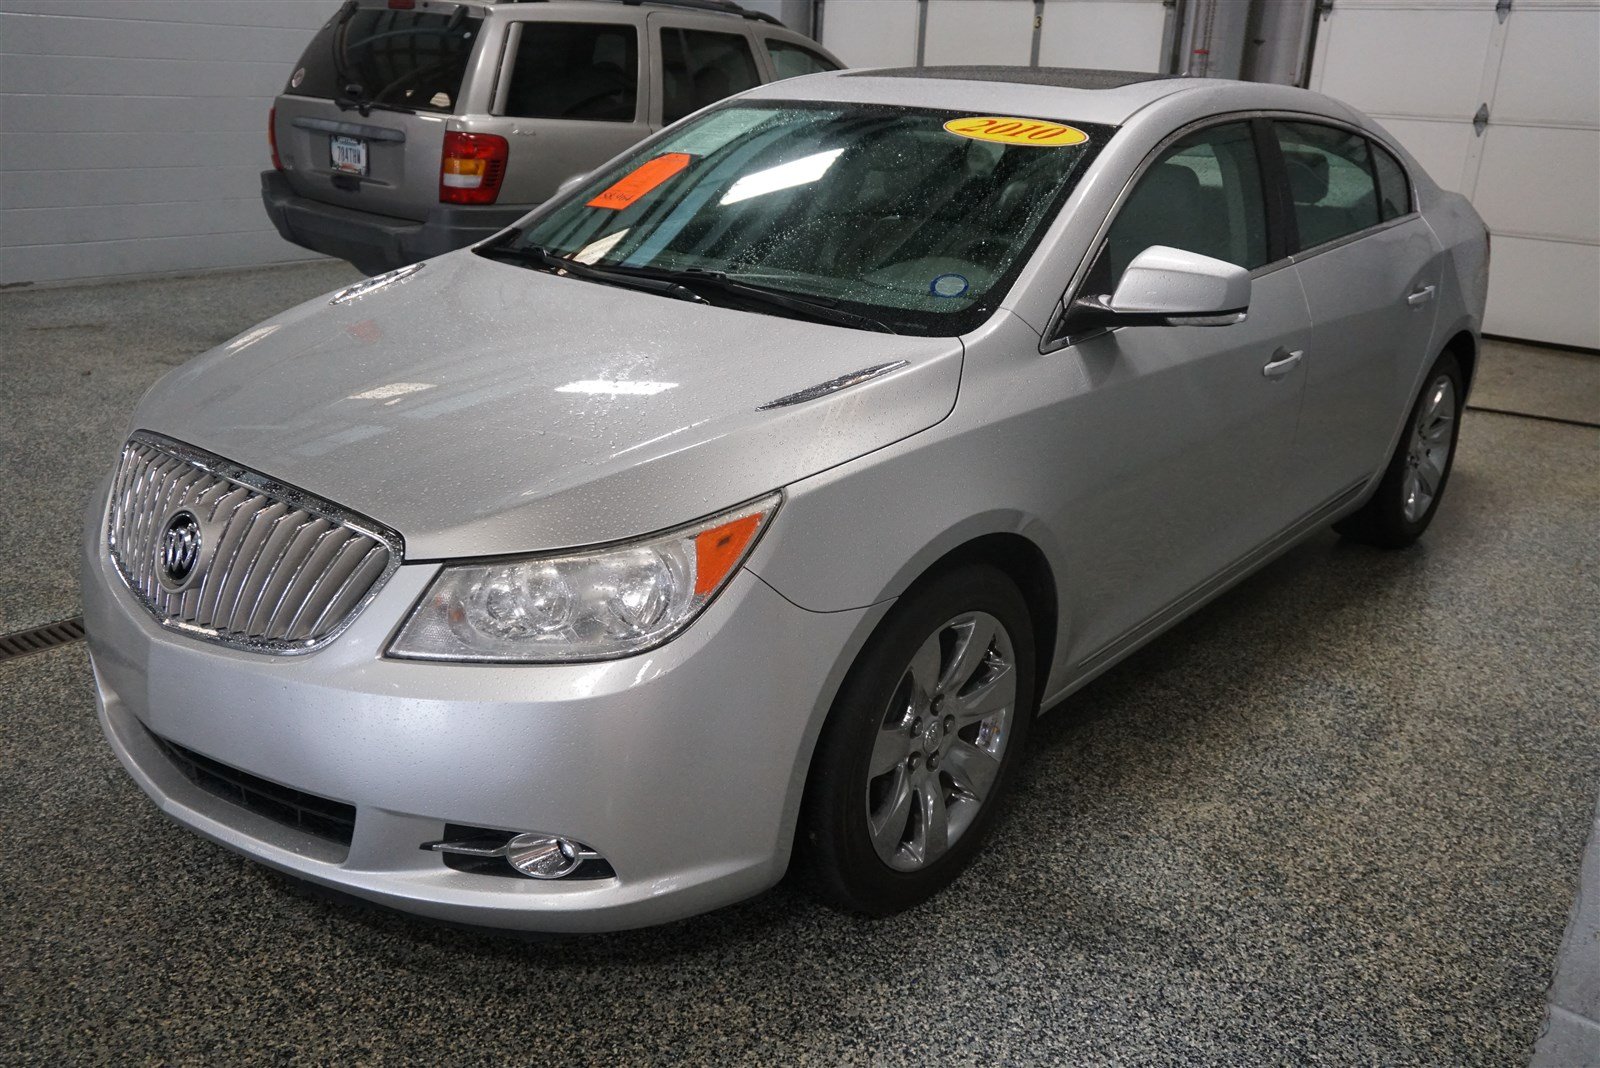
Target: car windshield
[[913, 219]]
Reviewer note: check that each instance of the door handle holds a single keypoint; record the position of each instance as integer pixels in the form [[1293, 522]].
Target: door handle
[[1283, 362], [1420, 296]]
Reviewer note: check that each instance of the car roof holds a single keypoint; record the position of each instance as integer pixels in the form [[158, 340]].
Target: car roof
[[1067, 94]]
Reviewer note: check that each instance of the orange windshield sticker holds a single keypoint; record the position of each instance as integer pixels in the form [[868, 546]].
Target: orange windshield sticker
[[641, 180], [1009, 131]]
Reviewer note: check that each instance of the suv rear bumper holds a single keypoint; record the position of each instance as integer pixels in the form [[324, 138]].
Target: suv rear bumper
[[377, 243]]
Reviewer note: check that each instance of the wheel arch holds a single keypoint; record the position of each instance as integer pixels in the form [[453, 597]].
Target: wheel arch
[[1465, 349], [1025, 564], [1013, 553]]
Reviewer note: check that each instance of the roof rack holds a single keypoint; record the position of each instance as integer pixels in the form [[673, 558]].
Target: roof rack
[[719, 7]]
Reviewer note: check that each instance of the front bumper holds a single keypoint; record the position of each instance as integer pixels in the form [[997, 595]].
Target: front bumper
[[377, 243], [683, 767]]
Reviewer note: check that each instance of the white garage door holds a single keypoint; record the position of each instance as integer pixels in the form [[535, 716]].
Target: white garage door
[[1107, 34], [133, 132], [1104, 34], [872, 33], [1530, 163], [979, 31]]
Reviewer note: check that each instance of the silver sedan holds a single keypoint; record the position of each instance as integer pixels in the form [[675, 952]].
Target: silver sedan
[[744, 504]]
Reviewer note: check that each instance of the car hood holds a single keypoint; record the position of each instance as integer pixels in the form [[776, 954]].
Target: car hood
[[481, 408]]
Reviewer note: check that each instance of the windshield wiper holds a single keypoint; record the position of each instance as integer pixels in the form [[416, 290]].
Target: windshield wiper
[[542, 257], [803, 307]]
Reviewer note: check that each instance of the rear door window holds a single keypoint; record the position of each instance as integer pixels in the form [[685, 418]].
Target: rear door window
[[790, 60], [1331, 182], [575, 70], [700, 67], [377, 57]]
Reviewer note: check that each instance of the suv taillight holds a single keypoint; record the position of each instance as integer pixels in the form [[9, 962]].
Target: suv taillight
[[472, 168], [272, 137]]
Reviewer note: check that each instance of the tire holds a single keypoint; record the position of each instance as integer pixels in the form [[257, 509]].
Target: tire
[[1401, 508], [887, 762]]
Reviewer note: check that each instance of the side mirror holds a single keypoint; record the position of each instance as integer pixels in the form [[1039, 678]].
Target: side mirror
[[1166, 287], [571, 183]]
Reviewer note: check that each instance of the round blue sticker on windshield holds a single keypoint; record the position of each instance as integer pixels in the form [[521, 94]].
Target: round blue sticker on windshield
[[948, 285]]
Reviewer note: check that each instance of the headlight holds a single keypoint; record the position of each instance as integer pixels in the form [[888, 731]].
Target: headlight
[[590, 605]]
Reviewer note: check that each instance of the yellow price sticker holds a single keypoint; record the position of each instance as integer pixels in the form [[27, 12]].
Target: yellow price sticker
[[1013, 131]]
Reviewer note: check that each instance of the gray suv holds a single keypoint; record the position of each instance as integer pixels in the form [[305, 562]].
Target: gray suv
[[413, 127]]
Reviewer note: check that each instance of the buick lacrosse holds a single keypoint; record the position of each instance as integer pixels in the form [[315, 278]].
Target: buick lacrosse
[[743, 505]]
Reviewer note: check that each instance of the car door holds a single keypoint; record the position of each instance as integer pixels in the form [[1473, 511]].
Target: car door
[[1371, 269], [698, 61], [571, 95], [1190, 426]]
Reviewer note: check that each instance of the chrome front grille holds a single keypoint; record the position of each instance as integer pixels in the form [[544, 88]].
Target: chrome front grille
[[276, 571]]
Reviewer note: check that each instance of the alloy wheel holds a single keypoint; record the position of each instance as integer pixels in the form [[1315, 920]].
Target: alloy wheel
[[937, 752], [1428, 455]]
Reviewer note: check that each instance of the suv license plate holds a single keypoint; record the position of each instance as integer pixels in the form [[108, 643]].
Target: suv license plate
[[349, 154]]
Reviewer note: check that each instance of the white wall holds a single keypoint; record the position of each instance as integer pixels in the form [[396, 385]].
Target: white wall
[[132, 133]]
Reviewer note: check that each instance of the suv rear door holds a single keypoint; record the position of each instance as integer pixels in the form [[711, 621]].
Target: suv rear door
[[572, 93], [697, 60], [361, 122]]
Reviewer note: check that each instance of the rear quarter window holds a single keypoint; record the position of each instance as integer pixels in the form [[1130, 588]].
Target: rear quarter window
[[1394, 191], [574, 70], [790, 60], [408, 60]]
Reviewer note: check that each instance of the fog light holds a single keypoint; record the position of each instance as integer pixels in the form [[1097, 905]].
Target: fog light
[[532, 853], [543, 856]]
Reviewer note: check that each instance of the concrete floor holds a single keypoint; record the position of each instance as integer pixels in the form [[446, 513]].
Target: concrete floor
[[1337, 816]]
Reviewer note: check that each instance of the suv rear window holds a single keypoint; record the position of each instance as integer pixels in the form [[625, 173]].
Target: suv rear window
[[402, 60], [575, 70]]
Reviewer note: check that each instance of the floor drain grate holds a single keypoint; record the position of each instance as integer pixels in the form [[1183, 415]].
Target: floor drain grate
[[38, 639]]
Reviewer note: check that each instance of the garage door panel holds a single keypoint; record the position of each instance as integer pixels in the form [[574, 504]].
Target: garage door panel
[[52, 263], [979, 31], [132, 38], [292, 14], [1105, 34], [64, 113], [1539, 180], [72, 189], [109, 222], [127, 151], [1545, 290], [871, 33], [1441, 147], [156, 77], [133, 133], [1544, 50], [1388, 61]]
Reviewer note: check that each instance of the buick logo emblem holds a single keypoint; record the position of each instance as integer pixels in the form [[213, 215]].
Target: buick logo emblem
[[179, 550]]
